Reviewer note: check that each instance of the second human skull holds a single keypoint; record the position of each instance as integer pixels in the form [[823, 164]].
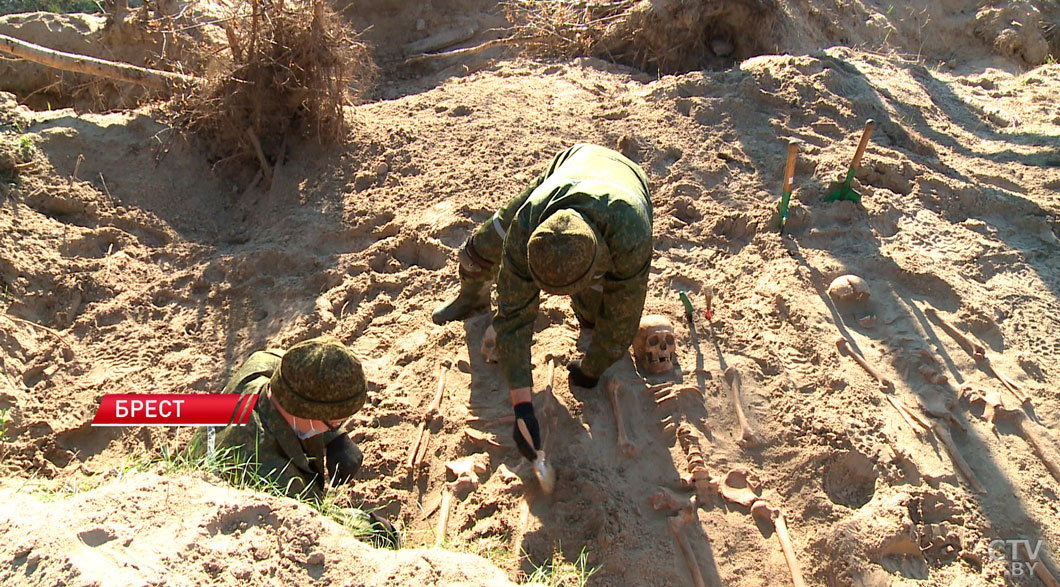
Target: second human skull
[[654, 346]]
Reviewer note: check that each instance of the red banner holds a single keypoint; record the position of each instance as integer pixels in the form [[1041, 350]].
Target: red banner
[[172, 409]]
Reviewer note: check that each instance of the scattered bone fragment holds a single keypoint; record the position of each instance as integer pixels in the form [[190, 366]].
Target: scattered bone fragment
[[416, 456], [747, 437], [762, 510], [467, 471], [479, 437], [489, 345], [653, 389], [931, 369], [844, 349], [624, 445], [443, 519]]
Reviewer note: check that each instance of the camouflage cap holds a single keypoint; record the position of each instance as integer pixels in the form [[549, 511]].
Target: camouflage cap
[[319, 379], [562, 253]]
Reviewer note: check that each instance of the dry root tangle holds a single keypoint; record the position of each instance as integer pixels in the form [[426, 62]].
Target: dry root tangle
[[662, 35], [294, 65]]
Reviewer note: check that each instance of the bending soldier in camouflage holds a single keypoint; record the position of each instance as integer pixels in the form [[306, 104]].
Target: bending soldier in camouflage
[[293, 436], [582, 228]]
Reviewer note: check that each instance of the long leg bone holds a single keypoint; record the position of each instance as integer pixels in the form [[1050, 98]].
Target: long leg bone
[[677, 523], [975, 349], [844, 349], [664, 499], [978, 353], [915, 421], [1040, 570], [747, 437], [624, 444], [1018, 419], [414, 455], [944, 436], [761, 509]]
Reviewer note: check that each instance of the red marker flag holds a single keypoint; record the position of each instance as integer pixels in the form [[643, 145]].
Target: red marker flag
[[172, 409]]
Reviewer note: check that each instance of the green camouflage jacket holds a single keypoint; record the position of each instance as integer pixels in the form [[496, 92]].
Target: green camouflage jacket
[[611, 192], [267, 442]]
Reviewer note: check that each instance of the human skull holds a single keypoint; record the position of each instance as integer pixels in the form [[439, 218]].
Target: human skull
[[849, 288], [489, 345], [654, 346]]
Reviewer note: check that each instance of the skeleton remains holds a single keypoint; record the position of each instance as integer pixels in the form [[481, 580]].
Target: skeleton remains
[[994, 408], [849, 288], [467, 472], [978, 352], [747, 437], [763, 511], [489, 345], [624, 445], [677, 523], [740, 487], [654, 346], [844, 349]]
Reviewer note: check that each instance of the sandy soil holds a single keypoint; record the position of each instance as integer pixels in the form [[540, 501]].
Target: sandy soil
[[158, 275]]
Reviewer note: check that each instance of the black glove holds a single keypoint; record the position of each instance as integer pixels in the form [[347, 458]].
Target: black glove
[[343, 460], [578, 378], [525, 411]]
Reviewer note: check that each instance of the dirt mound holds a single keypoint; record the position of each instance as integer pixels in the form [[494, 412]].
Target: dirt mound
[[145, 528]]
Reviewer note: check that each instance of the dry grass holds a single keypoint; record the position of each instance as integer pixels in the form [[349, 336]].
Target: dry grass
[[653, 35], [293, 66]]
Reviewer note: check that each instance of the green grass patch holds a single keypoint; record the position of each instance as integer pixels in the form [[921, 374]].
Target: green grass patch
[[559, 572]]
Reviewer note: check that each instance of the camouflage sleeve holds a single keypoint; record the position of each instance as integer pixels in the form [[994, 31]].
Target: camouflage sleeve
[[488, 239], [625, 288], [517, 302]]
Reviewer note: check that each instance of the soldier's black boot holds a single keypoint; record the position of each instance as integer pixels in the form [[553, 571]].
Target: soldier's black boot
[[474, 297]]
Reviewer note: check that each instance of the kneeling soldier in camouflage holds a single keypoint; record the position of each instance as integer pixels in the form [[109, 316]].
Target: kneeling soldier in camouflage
[[305, 394], [583, 228]]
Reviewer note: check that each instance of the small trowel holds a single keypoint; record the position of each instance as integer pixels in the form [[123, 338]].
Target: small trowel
[[543, 470]]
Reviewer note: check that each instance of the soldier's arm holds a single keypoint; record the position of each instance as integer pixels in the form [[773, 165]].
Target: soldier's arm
[[625, 288], [517, 303], [488, 239]]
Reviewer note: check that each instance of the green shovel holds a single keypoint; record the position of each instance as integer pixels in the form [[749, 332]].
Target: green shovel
[[844, 191]]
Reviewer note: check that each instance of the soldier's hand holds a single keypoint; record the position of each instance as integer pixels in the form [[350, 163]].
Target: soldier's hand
[[577, 377], [525, 412]]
